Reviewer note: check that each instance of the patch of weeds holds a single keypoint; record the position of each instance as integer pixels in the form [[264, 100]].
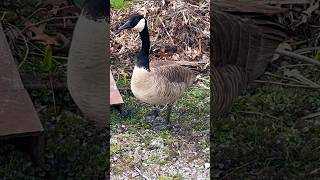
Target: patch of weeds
[[176, 177], [123, 81], [118, 168], [171, 153], [114, 149], [195, 101], [128, 160], [158, 160], [165, 135]]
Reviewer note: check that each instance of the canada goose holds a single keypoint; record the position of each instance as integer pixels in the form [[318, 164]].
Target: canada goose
[[156, 82], [87, 76], [241, 53]]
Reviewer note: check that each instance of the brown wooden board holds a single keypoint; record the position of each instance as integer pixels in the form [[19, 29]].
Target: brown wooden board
[[17, 114], [115, 96], [9, 76], [18, 117]]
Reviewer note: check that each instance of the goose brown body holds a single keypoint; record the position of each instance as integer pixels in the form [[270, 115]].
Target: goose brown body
[[242, 50], [164, 83], [87, 77]]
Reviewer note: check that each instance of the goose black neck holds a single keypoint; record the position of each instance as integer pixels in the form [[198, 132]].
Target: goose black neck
[[143, 57]]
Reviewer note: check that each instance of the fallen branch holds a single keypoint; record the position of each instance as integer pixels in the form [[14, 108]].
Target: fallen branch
[[297, 56], [281, 77]]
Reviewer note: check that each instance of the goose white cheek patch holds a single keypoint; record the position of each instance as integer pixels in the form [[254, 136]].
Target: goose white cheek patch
[[139, 27]]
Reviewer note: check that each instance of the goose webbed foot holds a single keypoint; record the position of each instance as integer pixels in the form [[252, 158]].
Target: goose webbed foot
[[151, 117], [165, 123]]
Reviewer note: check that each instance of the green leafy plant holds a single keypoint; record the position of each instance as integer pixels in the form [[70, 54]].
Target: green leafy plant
[[47, 59]]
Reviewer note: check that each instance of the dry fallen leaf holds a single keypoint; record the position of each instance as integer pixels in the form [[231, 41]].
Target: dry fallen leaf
[[39, 35]]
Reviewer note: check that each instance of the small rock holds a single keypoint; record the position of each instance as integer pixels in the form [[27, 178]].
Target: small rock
[[156, 143], [207, 165], [134, 174]]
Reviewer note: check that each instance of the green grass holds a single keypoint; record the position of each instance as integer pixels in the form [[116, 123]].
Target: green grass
[[119, 4], [193, 105], [264, 137]]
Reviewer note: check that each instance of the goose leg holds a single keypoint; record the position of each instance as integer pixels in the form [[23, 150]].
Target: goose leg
[[166, 124], [168, 113]]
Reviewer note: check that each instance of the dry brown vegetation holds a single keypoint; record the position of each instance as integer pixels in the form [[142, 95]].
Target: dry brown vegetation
[[178, 30]]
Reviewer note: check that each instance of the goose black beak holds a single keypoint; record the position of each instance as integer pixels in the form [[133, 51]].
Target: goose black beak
[[127, 25]]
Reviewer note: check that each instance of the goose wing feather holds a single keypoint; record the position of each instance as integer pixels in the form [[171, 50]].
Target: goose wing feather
[[241, 51], [173, 72]]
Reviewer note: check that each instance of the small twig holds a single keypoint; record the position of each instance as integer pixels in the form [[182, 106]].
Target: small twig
[[164, 27], [144, 176], [305, 50], [36, 47], [298, 56], [32, 14], [3, 15], [48, 20], [53, 94], [281, 77], [204, 86], [60, 8], [309, 116], [294, 65], [25, 43], [27, 49], [236, 169], [284, 84], [203, 79]]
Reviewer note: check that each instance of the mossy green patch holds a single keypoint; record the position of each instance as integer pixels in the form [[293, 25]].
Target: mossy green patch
[[264, 135]]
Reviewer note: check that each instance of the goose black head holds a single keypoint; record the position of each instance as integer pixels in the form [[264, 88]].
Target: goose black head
[[136, 22]]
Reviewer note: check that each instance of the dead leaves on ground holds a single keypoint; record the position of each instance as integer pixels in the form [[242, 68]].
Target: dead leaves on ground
[[37, 34], [179, 31], [49, 24]]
